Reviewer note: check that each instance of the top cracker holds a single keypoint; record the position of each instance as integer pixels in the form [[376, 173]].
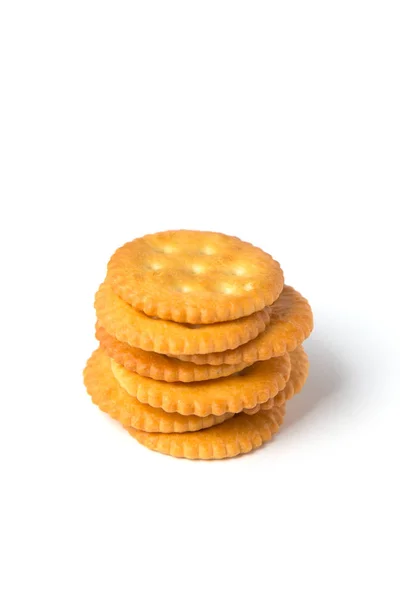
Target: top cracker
[[194, 276]]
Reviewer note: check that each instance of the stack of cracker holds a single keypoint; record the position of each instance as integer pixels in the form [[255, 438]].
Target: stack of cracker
[[199, 344]]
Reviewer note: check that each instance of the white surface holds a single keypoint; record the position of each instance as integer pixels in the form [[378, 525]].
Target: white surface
[[277, 122]]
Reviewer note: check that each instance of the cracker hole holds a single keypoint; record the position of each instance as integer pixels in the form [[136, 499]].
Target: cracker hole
[[208, 250], [239, 271], [156, 266], [227, 288], [169, 249], [248, 286], [197, 269], [185, 289]]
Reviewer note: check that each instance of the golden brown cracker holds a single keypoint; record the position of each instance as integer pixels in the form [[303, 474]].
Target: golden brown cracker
[[291, 323], [194, 276], [266, 406], [298, 376], [158, 366], [133, 327], [236, 436], [111, 398], [232, 394]]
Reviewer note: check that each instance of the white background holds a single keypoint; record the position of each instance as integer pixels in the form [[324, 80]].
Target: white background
[[274, 121]]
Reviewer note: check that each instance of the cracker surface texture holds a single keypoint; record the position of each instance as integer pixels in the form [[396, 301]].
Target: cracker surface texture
[[236, 436], [111, 398], [294, 385], [132, 326], [298, 376], [194, 276], [291, 322], [158, 366], [252, 386]]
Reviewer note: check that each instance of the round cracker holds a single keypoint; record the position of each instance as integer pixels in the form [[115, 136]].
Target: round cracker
[[158, 366], [111, 398], [254, 385], [194, 276], [236, 436], [298, 376], [133, 327], [291, 322]]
